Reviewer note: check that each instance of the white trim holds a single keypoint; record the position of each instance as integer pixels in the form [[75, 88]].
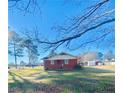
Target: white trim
[[66, 61], [52, 62], [60, 57]]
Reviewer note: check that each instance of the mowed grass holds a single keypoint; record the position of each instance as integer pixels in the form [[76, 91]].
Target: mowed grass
[[96, 79]]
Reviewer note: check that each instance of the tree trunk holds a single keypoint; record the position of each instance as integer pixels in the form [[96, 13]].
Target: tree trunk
[[29, 57], [15, 56]]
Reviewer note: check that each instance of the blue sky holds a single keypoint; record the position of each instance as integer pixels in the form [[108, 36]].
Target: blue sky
[[53, 12]]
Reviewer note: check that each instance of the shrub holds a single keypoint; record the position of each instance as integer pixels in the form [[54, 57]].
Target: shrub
[[77, 66]]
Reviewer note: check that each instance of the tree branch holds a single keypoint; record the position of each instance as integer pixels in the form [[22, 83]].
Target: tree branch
[[80, 34], [91, 41]]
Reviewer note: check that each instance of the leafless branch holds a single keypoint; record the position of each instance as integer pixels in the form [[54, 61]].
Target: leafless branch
[[80, 34], [80, 19], [80, 25], [26, 6], [91, 41]]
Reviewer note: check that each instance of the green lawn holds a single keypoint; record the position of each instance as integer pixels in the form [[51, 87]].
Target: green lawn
[[98, 79]]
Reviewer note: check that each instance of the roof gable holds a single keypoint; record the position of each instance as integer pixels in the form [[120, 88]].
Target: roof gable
[[61, 55]]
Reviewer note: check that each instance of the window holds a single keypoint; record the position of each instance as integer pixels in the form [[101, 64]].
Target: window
[[52, 62], [66, 61]]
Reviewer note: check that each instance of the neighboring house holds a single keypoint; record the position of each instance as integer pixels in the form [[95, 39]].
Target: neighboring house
[[89, 62], [92, 63], [60, 61], [90, 59], [109, 62]]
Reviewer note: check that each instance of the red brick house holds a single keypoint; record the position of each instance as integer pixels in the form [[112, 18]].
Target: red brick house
[[60, 61]]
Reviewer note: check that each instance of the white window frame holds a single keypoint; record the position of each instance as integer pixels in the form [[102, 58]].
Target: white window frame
[[52, 62], [66, 61]]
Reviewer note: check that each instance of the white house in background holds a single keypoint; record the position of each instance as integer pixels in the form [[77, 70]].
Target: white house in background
[[90, 59], [93, 63], [90, 63], [109, 62], [113, 60]]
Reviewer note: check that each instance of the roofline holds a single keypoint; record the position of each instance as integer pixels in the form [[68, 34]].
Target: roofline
[[60, 59], [47, 58]]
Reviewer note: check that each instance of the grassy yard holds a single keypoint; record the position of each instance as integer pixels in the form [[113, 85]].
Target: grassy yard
[[97, 79]]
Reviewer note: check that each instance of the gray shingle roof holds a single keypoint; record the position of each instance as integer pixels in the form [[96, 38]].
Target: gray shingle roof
[[61, 55]]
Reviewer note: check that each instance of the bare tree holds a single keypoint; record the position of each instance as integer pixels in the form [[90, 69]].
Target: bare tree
[[90, 56], [26, 6], [80, 26], [108, 55], [14, 46], [31, 50], [22, 63], [92, 20]]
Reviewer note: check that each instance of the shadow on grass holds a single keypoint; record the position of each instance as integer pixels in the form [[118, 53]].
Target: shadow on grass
[[72, 74], [30, 87], [84, 85], [81, 81], [66, 82]]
